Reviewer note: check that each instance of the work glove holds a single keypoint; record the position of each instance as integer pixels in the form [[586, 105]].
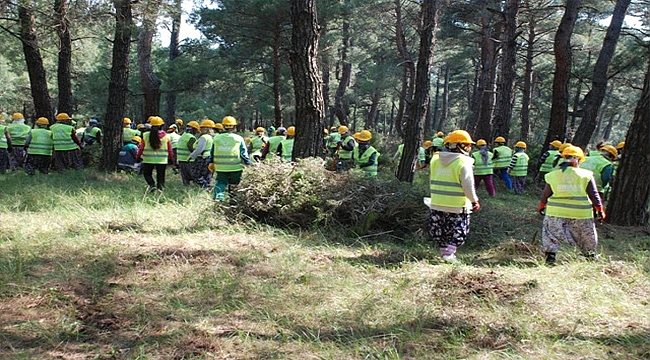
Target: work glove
[[476, 206], [542, 209], [600, 213], [211, 167]]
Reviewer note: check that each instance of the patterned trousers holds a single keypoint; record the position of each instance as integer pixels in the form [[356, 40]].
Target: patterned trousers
[[67, 159], [41, 163], [579, 232], [201, 173], [17, 157], [448, 230], [4, 161]]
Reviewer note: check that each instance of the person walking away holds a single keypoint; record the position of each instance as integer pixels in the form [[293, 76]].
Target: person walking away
[[332, 140], [67, 147], [453, 195], [91, 140], [271, 147], [172, 132], [365, 156], [258, 143], [40, 145], [346, 146], [285, 148], [547, 158], [518, 168], [201, 155], [179, 126], [5, 147], [155, 150], [186, 145], [502, 157], [601, 166], [127, 131], [18, 131], [127, 157], [568, 203], [428, 152], [226, 158], [438, 141], [484, 167], [597, 149]]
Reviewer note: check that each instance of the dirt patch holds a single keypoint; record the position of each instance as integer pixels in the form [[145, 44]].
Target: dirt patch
[[488, 285]]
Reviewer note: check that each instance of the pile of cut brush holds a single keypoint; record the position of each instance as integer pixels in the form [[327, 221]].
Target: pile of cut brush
[[303, 194]]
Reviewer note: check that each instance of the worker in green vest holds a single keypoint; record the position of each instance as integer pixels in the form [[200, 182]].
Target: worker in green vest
[[597, 149], [127, 157], [453, 195], [67, 147], [502, 157], [285, 148], [40, 146], [179, 126], [601, 166], [91, 140], [438, 141], [186, 145], [5, 147], [271, 148], [226, 158], [345, 147], [569, 201], [127, 131], [547, 158], [18, 131], [518, 167], [332, 141], [258, 142], [484, 167], [365, 156], [155, 150], [201, 155]]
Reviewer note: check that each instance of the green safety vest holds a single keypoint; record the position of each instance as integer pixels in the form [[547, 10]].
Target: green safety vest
[[182, 151], [505, 155], [208, 145], [596, 164], [174, 137], [287, 149], [364, 158], [151, 155], [3, 137], [422, 156], [521, 166], [547, 165], [333, 139], [62, 135], [274, 141], [92, 133], [481, 168], [18, 133], [257, 144], [41, 143], [444, 184], [226, 152], [569, 199], [128, 134], [345, 154], [438, 142]]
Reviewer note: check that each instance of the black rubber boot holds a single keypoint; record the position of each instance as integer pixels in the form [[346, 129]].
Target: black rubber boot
[[550, 258]]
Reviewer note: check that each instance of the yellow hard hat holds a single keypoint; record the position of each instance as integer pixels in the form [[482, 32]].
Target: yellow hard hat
[[564, 146], [440, 134], [194, 125], [17, 116], [610, 149], [556, 143], [42, 121], [500, 139], [326, 132], [156, 121], [343, 129], [139, 126], [229, 121], [207, 123], [575, 151], [126, 121], [620, 145], [333, 128], [260, 129], [63, 117], [458, 136], [291, 131], [520, 144], [218, 126], [179, 122], [481, 142], [136, 139], [247, 140], [427, 144], [363, 135]]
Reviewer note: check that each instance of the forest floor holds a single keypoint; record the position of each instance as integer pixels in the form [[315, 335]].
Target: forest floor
[[93, 268]]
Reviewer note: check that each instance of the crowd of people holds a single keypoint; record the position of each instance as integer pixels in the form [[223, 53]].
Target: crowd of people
[[575, 185]]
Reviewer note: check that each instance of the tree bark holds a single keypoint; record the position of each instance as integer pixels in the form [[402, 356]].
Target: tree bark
[[595, 96], [64, 79], [485, 92], [118, 88], [415, 124], [527, 91], [277, 73], [174, 52], [148, 81], [628, 203], [341, 106], [563, 61], [444, 112], [408, 75], [310, 112], [34, 61]]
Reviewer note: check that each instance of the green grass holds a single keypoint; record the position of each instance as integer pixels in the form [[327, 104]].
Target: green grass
[[91, 268]]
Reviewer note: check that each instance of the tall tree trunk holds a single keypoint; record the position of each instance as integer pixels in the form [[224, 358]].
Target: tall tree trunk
[[414, 126], [485, 92], [563, 60], [628, 204], [371, 120], [63, 73], [34, 61], [310, 112], [444, 113], [433, 119], [118, 88], [174, 52], [527, 91], [506, 88], [148, 80], [341, 106], [408, 75], [277, 72], [325, 70], [595, 96]]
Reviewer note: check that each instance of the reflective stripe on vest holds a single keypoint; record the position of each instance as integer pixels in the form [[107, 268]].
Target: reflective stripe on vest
[[596, 164], [547, 165], [345, 154], [257, 144], [274, 141], [173, 138], [364, 158], [521, 166], [505, 155], [62, 135], [208, 145], [182, 152], [3, 137], [18, 133], [151, 155], [226, 152], [444, 186], [128, 134], [421, 155], [438, 142], [333, 139], [569, 199], [287, 149], [41, 143], [481, 168]]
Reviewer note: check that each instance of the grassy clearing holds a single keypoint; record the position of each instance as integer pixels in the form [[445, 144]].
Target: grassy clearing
[[92, 269]]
